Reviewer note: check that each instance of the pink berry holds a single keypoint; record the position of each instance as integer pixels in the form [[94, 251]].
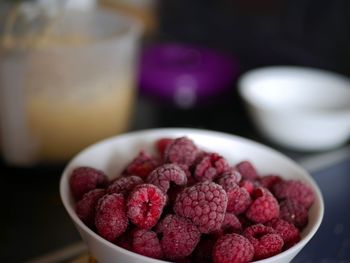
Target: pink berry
[[294, 212], [229, 178], [286, 230], [294, 189], [181, 151], [248, 185], [141, 165], [247, 170], [233, 248], [165, 174], [124, 184], [85, 207], [179, 236], [268, 181], [265, 240], [145, 242], [161, 144], [84, 179], [145, 205], [264, 207], [210, 166], [204, 204], [231, 224], [238, 200], [111, 220]]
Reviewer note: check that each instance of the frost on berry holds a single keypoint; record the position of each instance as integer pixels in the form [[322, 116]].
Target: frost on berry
[[145, 242], [265, 240], [204, 204], [181, 150], [289, 233], [294, 212], [229, 178], [268, 181], [110, 219], [166, 174], [264, 206], [85, 207], [141, 165], [232, 248], [84, 179], [124, 184], [210, 166], [179, 236], [145, 205], [294, 189], [238, 200], [247, 170]]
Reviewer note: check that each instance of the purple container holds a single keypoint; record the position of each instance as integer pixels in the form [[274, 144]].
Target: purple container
[[185, 74]]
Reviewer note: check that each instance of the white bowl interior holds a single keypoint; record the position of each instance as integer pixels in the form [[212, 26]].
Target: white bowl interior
[[296, 88], [113, 154]]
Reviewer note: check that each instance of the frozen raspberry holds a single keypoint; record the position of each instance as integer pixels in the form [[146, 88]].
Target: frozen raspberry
[[162, 144], [286, 230], [85, 207], [204, 204], [248, 185], [233, 248], [294, 212], [231, 224], [145, 205], [84, 179], [229, 178], [247, 170], [146, 242], [124, 185], [210, 166], [238, 200], [268, 181], [111, 220], [264, 207], [166, 174], [265, 240], [179, 236], [181, 151], [294, 189], [141, 165]]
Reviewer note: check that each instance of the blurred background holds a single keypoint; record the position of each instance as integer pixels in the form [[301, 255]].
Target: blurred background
[[72, 74]]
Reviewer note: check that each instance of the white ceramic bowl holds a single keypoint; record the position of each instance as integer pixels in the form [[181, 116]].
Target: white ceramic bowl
[[113, 154], [299, 108]]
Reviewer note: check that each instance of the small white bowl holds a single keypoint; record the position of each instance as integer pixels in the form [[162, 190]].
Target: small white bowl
[[113, 154], [299, 108]]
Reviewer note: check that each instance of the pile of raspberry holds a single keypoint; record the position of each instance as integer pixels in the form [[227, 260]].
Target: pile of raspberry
[[191, 205]]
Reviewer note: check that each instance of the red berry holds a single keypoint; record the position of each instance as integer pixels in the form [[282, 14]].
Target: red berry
[[247, 170], [165, 174], [124, 184], [248, 185], [210, 166], [145, 205], [204, 204], [268, 181], [264, 207], [286, 230], [238, 200], [85, 207], [229, 178], [294, 189], [233, 248], [146, 242], [179, 236], [294, 212], [141, 165], [231, 224], [265, 240], [181, 151], [84, 179], [111, 220], [162, 144]]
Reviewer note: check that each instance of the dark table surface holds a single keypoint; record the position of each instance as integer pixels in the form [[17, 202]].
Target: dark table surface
[[36, 227]]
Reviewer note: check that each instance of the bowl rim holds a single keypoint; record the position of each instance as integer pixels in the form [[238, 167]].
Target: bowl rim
[[252, 76], [64, 185]]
